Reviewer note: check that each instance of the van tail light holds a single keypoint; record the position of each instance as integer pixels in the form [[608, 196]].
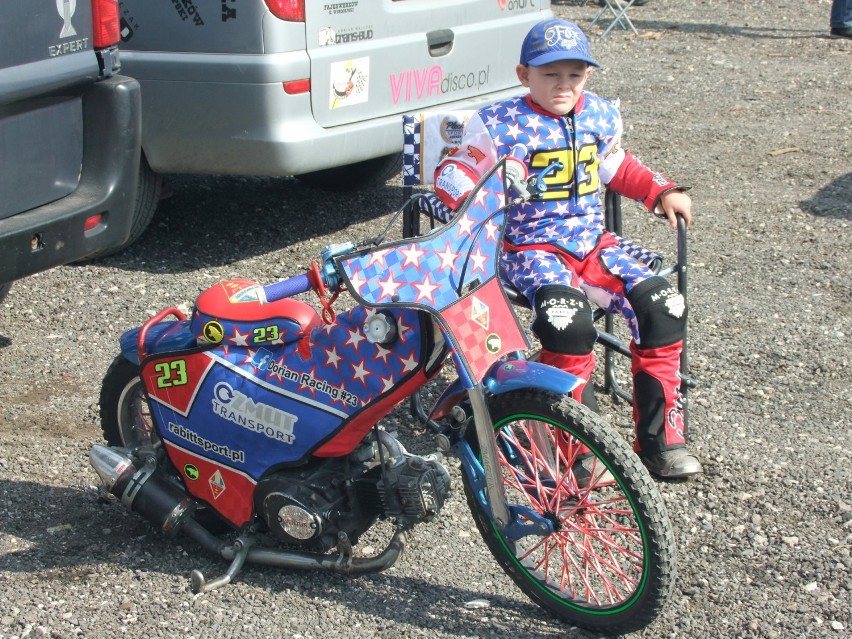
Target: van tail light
[[294, 87], [105, 22], [289, 10]]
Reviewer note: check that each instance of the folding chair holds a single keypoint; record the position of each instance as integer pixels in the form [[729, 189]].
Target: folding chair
[[427, 138], [618, 10]]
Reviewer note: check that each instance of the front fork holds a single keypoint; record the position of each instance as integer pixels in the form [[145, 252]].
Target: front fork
[[494, 492], [486, 477]]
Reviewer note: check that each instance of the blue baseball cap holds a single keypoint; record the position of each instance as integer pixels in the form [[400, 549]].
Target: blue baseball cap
[[552, 40]]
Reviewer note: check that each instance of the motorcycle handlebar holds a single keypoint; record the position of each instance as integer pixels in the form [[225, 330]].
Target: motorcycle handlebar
[[287, 288]]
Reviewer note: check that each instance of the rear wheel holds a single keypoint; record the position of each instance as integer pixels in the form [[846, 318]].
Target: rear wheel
[[609, 565], [4, 290], [125, 416], [360, 175]]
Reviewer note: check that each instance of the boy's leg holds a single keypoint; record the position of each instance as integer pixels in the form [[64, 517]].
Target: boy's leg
[[564, 325], [656, 315], [658, 411], [563, 316]]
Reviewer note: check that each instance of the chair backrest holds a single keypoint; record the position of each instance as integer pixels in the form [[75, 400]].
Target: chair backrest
[[427, 138]]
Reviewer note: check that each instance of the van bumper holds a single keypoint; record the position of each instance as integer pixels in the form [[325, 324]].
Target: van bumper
[[55, 233]]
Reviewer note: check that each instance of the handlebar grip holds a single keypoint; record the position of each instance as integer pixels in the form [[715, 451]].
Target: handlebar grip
[[287, 288]]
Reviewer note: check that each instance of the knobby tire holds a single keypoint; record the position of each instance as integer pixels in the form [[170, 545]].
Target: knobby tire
[[610, 564]]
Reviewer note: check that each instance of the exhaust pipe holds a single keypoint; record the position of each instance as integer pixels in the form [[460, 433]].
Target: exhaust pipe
[[162, 503]]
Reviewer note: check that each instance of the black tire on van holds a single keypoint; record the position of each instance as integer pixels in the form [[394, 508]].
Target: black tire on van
[[355, 177], [147, 201]]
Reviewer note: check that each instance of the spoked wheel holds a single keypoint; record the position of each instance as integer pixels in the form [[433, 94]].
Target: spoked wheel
[[609, 565], [125, 416]]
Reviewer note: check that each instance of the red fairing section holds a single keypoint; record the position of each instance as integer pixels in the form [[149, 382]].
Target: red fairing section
[[229, 491], [637, 182]]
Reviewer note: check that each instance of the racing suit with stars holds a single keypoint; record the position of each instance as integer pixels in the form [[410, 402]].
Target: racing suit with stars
[[559, 254]]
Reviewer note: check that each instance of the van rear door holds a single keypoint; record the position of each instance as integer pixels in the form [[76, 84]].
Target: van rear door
[[378, 58]]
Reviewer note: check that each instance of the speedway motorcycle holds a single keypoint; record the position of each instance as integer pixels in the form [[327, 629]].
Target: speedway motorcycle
[[252, 426]]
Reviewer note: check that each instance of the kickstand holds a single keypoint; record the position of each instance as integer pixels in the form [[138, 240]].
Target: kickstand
[[241, 549]]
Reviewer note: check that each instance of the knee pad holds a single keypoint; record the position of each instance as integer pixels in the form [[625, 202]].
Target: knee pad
[[660, 312], [563, 320]]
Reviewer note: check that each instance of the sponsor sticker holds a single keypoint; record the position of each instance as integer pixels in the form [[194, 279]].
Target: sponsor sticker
[[350, 83], [213, 332], [217, 484]]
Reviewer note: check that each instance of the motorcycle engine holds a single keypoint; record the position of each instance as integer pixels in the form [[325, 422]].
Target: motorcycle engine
[[311, 505]]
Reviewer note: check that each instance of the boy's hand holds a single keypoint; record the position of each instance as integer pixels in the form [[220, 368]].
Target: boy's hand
[[676, 203]]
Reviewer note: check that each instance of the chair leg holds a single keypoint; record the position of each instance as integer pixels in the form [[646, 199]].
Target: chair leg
[[620, 16]]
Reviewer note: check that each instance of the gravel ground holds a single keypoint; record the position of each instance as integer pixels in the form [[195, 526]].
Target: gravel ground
[[748, 102]]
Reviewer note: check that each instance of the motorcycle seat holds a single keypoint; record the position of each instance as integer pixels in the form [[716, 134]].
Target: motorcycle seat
[[235, 312]]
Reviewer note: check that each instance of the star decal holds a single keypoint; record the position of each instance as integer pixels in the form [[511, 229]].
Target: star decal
[[425, 289], [313, 375], [355, 338], [332, 358], [448, 258], [387, 383], [378, 257], [359, 372], [382, 353], [465, 224], [389, 286], [409, 363], [514, 130], [478, 260], [412, 255], [491, 230], [357, 282], [240, 339], [275, 373]]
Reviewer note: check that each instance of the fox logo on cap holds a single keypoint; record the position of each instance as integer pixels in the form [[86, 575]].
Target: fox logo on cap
[[561, 36]]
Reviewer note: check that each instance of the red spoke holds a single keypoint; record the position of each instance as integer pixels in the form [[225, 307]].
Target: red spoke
[[596, 553]]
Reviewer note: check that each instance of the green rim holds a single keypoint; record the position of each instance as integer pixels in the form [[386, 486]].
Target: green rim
[[542, 587]]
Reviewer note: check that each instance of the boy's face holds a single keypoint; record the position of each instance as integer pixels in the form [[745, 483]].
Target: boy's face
[[556, 86]]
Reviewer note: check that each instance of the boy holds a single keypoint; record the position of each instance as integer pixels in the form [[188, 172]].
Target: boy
[[557, 251]]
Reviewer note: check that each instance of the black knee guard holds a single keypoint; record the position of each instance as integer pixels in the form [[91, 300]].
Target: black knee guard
[[660, 312], [563, 320]]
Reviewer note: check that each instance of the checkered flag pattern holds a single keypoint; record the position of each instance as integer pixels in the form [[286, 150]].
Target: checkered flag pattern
[[410, 150], [649, 258]]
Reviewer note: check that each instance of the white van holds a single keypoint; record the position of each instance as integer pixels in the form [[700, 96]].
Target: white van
[[313, 88]]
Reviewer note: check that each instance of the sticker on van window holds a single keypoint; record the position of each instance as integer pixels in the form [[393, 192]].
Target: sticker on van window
[[350, 82], [228, 12], [329, 35], [516, 5], [187, 10], [337, 8]]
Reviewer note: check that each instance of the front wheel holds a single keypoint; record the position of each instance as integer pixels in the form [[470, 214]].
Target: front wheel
[[609, 565]]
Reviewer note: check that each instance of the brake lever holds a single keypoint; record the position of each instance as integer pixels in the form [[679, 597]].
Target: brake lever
[[536, 184]]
